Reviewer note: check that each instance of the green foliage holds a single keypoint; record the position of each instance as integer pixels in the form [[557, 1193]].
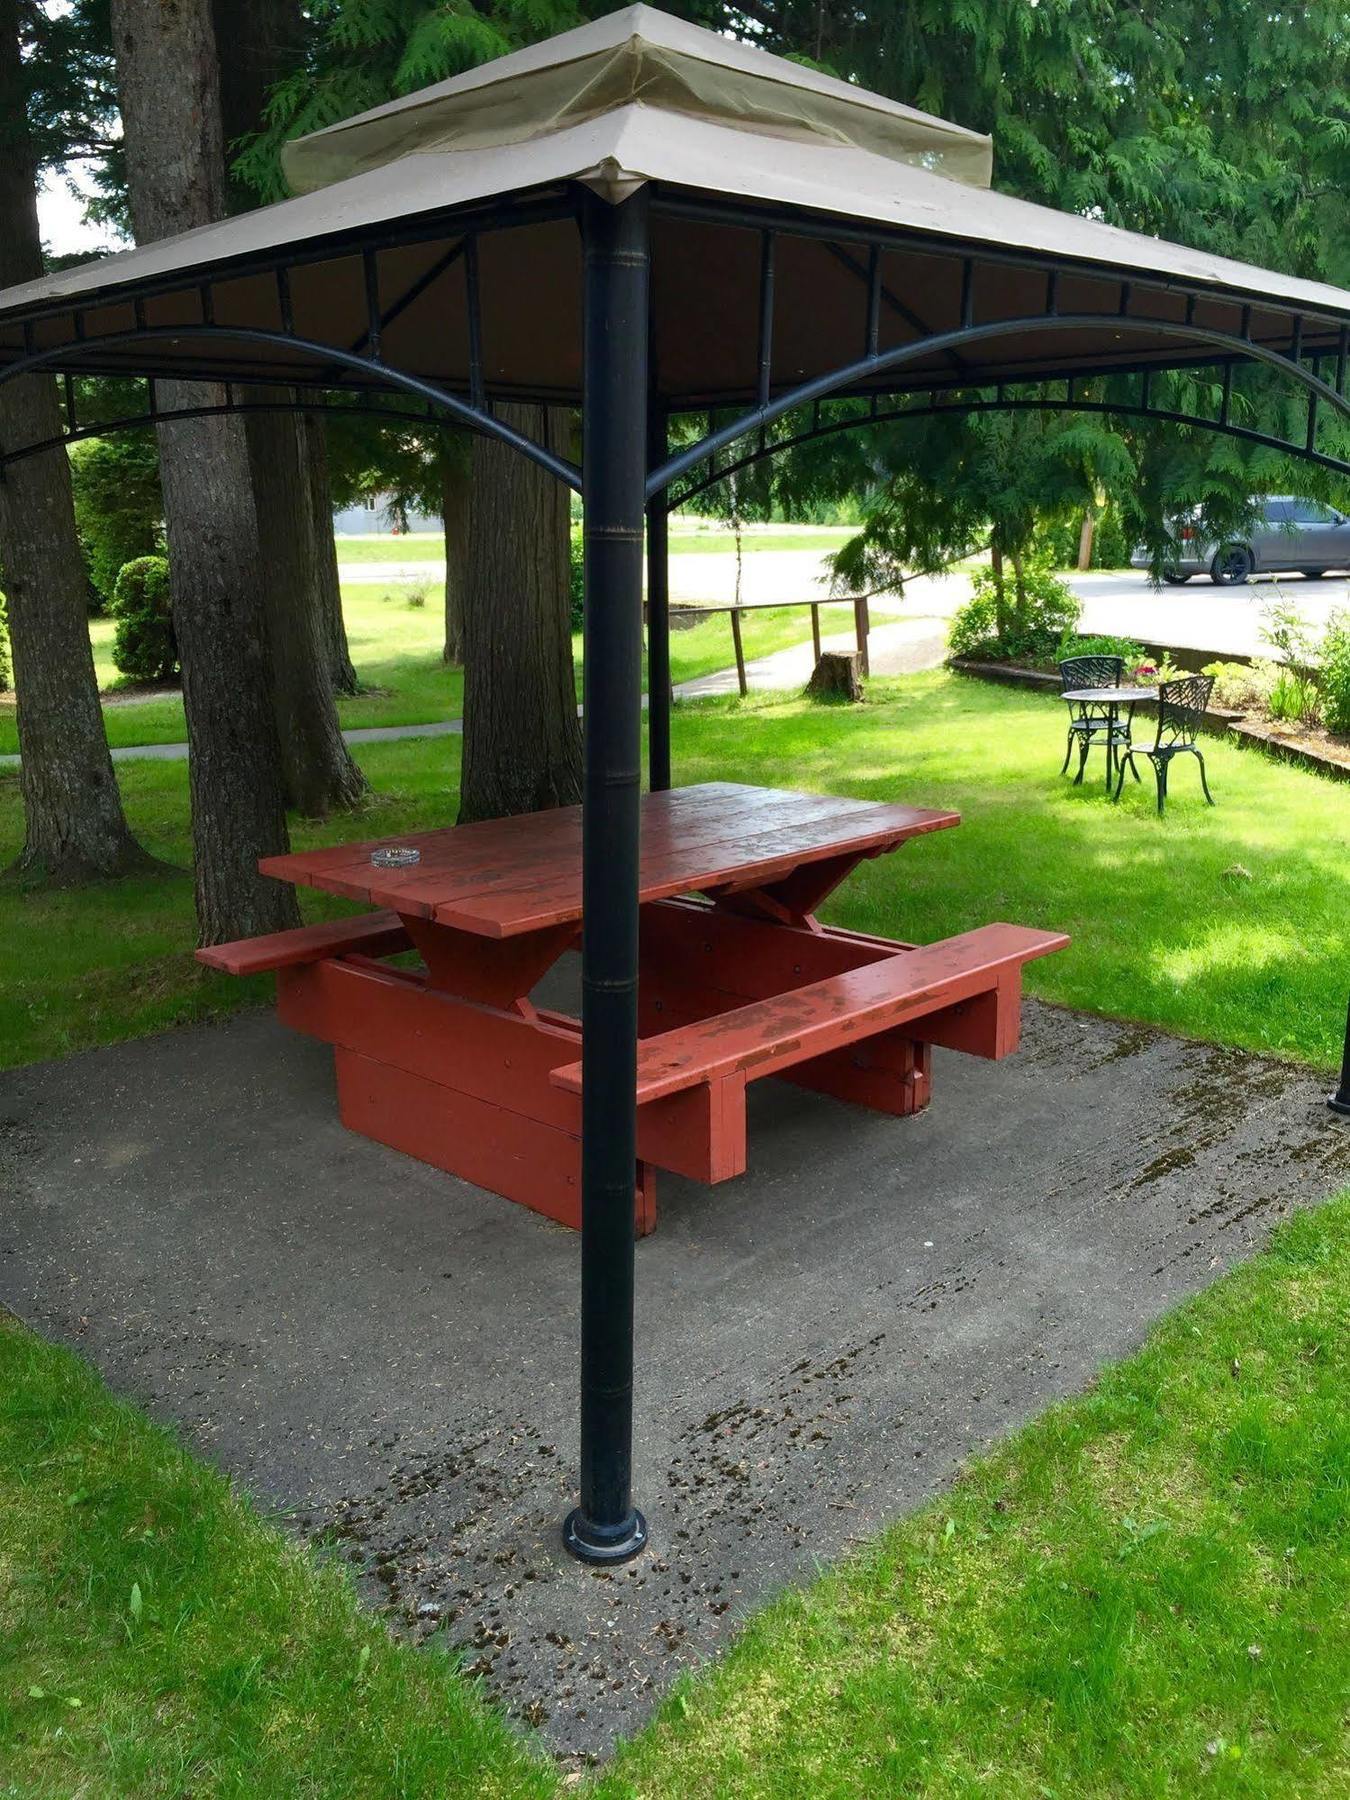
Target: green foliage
[[118, 504], [1294, 699], [953, 481], [1058, 541], [1243, 687], [576, 575], [144, 646], [1335, 675], [1130, 653], [1022, 619], [4, 646]]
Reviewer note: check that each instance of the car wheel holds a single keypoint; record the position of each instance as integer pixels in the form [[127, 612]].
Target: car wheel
[[1312, 574], [1231, 567], [1175, 577]]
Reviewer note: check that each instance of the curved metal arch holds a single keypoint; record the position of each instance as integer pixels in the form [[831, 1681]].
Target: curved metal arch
[[820, 387], [1128, 409], [462, 410], [143, 421]]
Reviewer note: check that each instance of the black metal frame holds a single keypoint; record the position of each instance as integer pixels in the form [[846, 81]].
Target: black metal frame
[[1339, 1102], [627, 472], [1093, 722], [1181, 711]]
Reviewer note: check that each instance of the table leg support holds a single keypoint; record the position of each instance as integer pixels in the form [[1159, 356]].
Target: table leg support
[[606, 1527]]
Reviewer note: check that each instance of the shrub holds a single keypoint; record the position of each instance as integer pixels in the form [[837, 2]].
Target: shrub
[[1130, 653], [144, 645], [1294, 699], [118, 505], [1336, 675], [1001, 631], [1243, 686], [577, 578]]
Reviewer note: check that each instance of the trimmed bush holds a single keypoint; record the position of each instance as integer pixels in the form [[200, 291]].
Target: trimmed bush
[[144, 646], [1005, 628]]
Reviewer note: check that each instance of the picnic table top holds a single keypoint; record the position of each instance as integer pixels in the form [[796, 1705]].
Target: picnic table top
[[504, 877]]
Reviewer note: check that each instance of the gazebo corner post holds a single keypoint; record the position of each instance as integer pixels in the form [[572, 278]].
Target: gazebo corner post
[[1339, 1102], [606, 1527], [658, 611]]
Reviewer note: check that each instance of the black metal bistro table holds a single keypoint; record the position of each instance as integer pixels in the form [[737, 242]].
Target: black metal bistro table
[[1113, 699]]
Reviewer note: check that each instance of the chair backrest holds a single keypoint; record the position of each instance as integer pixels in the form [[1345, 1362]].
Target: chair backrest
[[1181, 708], [1090, 672]]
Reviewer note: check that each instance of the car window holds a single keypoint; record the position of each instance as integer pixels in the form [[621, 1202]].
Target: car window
[[1312, 512], [1276, 512]]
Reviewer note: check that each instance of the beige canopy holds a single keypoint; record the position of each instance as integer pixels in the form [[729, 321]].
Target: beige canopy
[[729, 140]]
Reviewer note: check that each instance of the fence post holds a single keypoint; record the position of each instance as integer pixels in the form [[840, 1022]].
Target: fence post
[[815, 631]]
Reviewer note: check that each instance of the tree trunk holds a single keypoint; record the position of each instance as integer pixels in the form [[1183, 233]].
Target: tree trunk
[[170, 103], [456, 510], [522, 741], [837, 676], [1000, 587], [75, 829], [341, 670], [259, 41], [317, 771], [1086, 534]]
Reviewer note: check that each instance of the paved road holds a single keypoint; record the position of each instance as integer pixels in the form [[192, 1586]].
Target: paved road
[[1199, 616], [909, 633]]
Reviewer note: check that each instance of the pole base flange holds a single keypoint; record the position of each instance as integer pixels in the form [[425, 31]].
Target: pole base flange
[[1340, 1103], [599, 1544]]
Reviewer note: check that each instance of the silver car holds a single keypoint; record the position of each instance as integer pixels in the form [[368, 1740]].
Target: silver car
[[1289, 534]]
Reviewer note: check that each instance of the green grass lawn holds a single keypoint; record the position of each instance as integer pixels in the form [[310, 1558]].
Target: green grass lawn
[[1141, 1594], [687, 536], [1224, 923], [397, 651]]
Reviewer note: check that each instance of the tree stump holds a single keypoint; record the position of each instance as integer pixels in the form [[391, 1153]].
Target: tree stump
[[836, 677]]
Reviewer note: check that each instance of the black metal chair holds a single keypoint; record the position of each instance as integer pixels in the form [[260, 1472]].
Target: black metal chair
[[1090, 723], [1181, 708]]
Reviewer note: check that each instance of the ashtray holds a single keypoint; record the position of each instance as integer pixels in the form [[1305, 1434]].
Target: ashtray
[[395, 856]]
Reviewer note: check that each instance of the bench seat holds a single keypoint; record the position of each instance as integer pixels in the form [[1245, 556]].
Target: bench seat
[[369, 934], [927, 990]]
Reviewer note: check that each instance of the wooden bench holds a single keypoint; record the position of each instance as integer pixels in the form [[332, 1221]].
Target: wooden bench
[[964, 992], [368, 934]]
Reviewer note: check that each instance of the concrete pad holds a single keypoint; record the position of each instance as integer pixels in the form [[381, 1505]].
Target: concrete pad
[[389, 1355]]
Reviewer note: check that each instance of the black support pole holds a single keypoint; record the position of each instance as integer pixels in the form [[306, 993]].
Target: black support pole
[[1339, 1102], [658, 617], [606, 1527]]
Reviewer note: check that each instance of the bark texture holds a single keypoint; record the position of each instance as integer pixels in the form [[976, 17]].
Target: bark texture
[[341, 670], [456, 510], [317, 770], [75, 829], [259, 41], [522, 739], [170, 103]]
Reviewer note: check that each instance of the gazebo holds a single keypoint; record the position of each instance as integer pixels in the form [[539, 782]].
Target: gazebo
[[648, 220]]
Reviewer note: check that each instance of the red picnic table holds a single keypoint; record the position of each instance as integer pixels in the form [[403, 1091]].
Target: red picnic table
[[454, 1064]]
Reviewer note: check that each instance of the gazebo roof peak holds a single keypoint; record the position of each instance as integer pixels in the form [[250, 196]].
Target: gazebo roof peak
[[638, 56]]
